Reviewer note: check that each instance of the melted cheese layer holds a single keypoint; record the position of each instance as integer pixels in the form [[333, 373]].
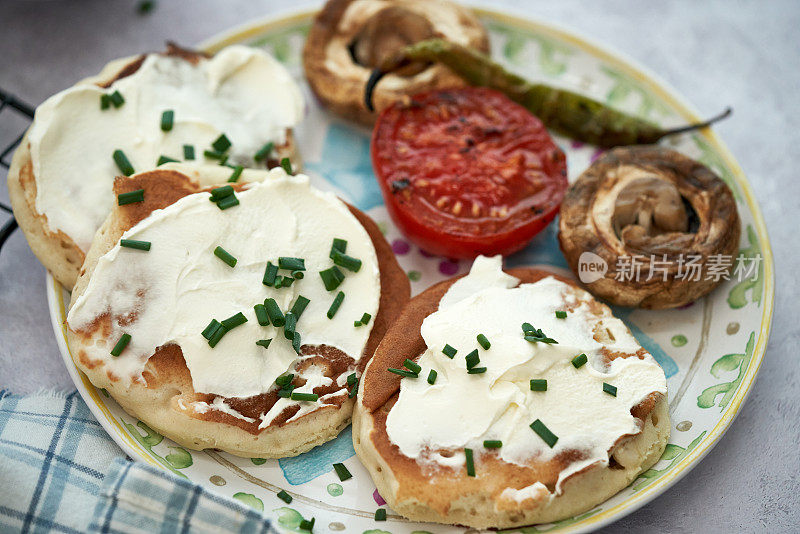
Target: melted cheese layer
[[462, 410], [171, 293], [242, 92]]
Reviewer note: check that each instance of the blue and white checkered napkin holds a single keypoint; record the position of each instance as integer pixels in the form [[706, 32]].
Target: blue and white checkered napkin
[[55, 476]]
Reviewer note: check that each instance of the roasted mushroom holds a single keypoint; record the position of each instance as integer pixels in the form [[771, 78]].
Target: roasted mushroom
[[654, 222], [350, 38]]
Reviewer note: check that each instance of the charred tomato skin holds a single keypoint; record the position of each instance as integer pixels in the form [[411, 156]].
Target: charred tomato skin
[[467, 171]]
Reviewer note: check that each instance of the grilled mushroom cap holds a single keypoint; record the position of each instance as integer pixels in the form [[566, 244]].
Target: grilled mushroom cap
[[638, 203], [351, 37]]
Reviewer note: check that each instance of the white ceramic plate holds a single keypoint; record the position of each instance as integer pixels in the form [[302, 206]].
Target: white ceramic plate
[[710, 351]]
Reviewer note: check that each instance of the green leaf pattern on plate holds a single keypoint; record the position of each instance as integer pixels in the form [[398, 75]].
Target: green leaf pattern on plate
[[672, 454], [727, 364], [180, 458], [623, 86], [250, 500], [286, 44], [552, 57], [737, 297]]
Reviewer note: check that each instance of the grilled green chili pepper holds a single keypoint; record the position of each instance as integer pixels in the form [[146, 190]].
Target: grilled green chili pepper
[[568, 113]]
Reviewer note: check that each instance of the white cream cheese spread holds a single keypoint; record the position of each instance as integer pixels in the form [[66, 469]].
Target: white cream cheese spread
[[169, 294], [461, 410], [241, 92]]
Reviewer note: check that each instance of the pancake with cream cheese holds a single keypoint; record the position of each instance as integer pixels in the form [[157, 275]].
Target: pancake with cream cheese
[[525, 401], [61, 177], [297, 286]]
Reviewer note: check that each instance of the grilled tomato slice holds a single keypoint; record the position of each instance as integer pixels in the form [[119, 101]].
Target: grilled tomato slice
[[467, 171]]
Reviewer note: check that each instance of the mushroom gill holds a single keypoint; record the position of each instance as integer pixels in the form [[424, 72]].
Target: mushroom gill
[[387, 32], [649, 215]]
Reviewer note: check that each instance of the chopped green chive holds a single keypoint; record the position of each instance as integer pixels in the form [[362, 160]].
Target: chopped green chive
[[449, 351], [285, 281], [472, 359], [579, 360], [298, 275], [292, 264], [611, 390], [132, 243], [274, 312], [286, 391], [237, 172], [221, 144], [264, 342], [535, 335], [483, 342], [354, 389], [122, 162], [339, 245], [286, 165], [560, 314], [211, 328], [470, 462], [228, 202], [432, 376], [296, 342], [343, 260], [285, 497], [538, 384], [365, 318], [380, 514], [217, 336], [352, 379], [310, 397], [544, 433], [403, 372], [492, 443], [412, 366], [167, 119], [299, 306], [121, 344], [284, 379], [305, 524], [222, 254], [116, 99], [342, 472], [212, 154], [105, 101], [218, 193], [188, 152], [269, 274], [290, 325], [162, 159], [476, 371], [264, 152], [337, 301], [332, 278], [261, 314], [130, 197], [233, 321]]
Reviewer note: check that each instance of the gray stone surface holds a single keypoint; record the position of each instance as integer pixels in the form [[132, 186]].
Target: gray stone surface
[[715, 53]]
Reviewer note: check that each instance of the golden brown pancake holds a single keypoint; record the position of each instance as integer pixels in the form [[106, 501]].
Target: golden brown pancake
[[57, 251], [160, 398], [448, 495]]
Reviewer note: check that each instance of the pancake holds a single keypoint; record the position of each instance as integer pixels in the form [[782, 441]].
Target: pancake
[[59, 212], [523, 481], [163, 392]]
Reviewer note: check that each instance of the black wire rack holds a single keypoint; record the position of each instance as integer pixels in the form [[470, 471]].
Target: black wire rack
[[11, 104]]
